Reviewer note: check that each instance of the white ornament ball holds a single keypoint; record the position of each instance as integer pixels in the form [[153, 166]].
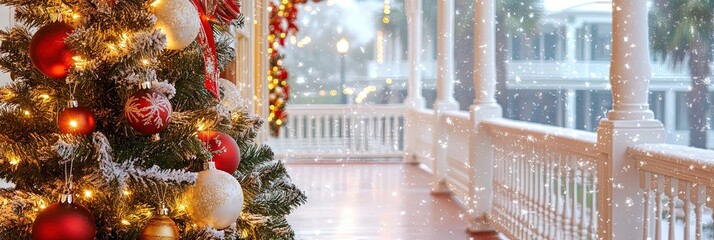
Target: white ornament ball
[[231, 95], [179, 20], [216, 199]]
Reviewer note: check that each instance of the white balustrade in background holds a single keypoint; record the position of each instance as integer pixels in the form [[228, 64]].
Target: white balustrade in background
[[677, 183], [456, 134], [341, 132], [544, 181]]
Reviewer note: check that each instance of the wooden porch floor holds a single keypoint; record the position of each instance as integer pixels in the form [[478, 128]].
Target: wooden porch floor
[[374, 201]]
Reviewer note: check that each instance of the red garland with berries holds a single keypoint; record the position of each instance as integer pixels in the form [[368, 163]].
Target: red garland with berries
[[282, 21]]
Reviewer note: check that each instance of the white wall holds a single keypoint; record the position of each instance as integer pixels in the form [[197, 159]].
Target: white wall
[[6, 20]]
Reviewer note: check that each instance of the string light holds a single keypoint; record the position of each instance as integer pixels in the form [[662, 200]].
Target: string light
[[27, 113], [79, 62], [87, 193], [126, 192], [155, 3], [125, 222], [14, 161]]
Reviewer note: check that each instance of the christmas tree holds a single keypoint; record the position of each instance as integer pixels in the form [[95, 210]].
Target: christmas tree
[[113, 126]]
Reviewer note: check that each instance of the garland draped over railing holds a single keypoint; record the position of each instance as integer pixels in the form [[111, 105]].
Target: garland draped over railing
[[282, 19]]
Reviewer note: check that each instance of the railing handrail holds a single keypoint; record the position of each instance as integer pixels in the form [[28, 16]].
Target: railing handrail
[[572, 140], [457, 114], [329, 108], [682, 162]]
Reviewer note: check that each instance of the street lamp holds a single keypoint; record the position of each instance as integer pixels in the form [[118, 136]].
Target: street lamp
[[342, 47]]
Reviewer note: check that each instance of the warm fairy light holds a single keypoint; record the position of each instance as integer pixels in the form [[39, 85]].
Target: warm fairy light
[[45, 96], [87, 193], [388, 80], [200, 126], [73, 124], [279, 122], [14, 161], [79, 62], [76, 16], [333, 93], [27, 113], [155, 3], [145, 62], [123, 40], [182, 207], [125, 222], [112, 47], [126, 193]]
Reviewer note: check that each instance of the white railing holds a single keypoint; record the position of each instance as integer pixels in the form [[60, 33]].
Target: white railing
[[421, 127], [341, 132], [455, 134], [544, 181], [677, 184], [586, 75]]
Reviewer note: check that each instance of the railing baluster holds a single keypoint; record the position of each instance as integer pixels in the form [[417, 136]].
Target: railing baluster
[[593, 205], [344, 129], [645, 186], [394, 132], [540, 190], [672, 195], [687, 208], [550, 200], [573, 196], [583, 200], [658, 206], [700, 199]]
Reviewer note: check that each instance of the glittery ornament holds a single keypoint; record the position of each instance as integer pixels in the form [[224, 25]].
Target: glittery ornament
[[148, 111], [160, 227], [64, 220], [179, 20], [231, 96], [48, 52], [216, 199]]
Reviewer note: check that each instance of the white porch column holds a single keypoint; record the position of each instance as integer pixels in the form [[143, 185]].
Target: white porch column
[[414, 20], [445, 88], [630, 122], [445, 56], [570, 108], [484, 107], [670, 111], [414, 99], [571, 37]]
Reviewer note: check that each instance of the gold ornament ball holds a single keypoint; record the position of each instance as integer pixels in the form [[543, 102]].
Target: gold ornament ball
[[216, 199], [159, 228], [179, 20]]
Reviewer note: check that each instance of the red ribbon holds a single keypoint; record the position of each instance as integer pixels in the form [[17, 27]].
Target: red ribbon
[[208, 46]]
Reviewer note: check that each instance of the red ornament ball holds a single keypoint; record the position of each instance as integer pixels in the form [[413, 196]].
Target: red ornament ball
[[48, 52], [64, 221], [283, 74], [76, 120], [148, 111], [225, 150]]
